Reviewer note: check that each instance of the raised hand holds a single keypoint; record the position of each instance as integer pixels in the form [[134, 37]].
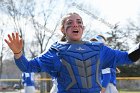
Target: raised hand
[[15, 43]]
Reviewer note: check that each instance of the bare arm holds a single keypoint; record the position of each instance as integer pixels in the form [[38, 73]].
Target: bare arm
[[103, 90], [15, 43]]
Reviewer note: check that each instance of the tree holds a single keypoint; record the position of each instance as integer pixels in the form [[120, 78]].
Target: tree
[[134, 37], [17, 14], [117, 38], [42, 38], [1, 51]]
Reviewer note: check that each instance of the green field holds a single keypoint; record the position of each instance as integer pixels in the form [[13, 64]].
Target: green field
[[128, 92], [123, 91]]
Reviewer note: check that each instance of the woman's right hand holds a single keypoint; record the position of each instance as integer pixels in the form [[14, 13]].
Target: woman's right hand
[[15, 43]]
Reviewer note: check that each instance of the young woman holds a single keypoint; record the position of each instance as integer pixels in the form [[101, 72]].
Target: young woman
[[76, 64]]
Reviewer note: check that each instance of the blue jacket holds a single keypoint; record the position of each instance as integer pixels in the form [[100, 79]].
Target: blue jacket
[[76, 65]]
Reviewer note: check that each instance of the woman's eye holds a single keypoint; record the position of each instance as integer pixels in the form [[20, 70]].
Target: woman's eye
[[79, 22], [69, 23]]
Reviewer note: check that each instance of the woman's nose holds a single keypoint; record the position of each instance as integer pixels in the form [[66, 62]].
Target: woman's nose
[[75, 24]]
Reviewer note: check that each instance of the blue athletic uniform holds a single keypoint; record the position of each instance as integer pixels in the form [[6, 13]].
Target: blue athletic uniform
[[106, 77], [109, 77], [76, 65], [27, 79]]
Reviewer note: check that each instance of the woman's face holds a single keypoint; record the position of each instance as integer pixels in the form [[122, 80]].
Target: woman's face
[[73, 27]]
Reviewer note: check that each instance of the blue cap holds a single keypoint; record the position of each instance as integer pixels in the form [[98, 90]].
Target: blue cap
[[100, 39]]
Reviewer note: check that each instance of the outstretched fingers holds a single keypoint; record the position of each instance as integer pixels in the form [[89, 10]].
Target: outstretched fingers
[[13, 36], [7, 41], [14, 41], [10, 38], [17, 36]]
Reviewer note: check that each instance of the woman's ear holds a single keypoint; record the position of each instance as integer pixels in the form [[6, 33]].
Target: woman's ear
[[63, 31]]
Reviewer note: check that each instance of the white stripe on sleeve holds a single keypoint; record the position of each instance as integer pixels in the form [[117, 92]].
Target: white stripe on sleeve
[[106, 70]]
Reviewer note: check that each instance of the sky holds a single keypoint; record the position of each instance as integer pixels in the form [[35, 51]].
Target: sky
[[116, 11], [119, 10], [113, 11]]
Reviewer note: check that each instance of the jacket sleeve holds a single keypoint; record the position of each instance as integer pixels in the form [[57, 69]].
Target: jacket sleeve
[[111, 57], [106, 76], [42, 63]]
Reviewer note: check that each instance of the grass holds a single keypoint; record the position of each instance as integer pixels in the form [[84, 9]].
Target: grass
[[126, 91]]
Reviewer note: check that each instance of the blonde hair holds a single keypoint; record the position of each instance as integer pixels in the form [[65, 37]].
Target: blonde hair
[[63, 38]]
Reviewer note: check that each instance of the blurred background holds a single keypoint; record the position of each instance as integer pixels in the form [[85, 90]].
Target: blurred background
[[38, 22]]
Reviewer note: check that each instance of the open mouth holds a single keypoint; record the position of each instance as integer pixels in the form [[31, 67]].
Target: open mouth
[[75, 31]]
